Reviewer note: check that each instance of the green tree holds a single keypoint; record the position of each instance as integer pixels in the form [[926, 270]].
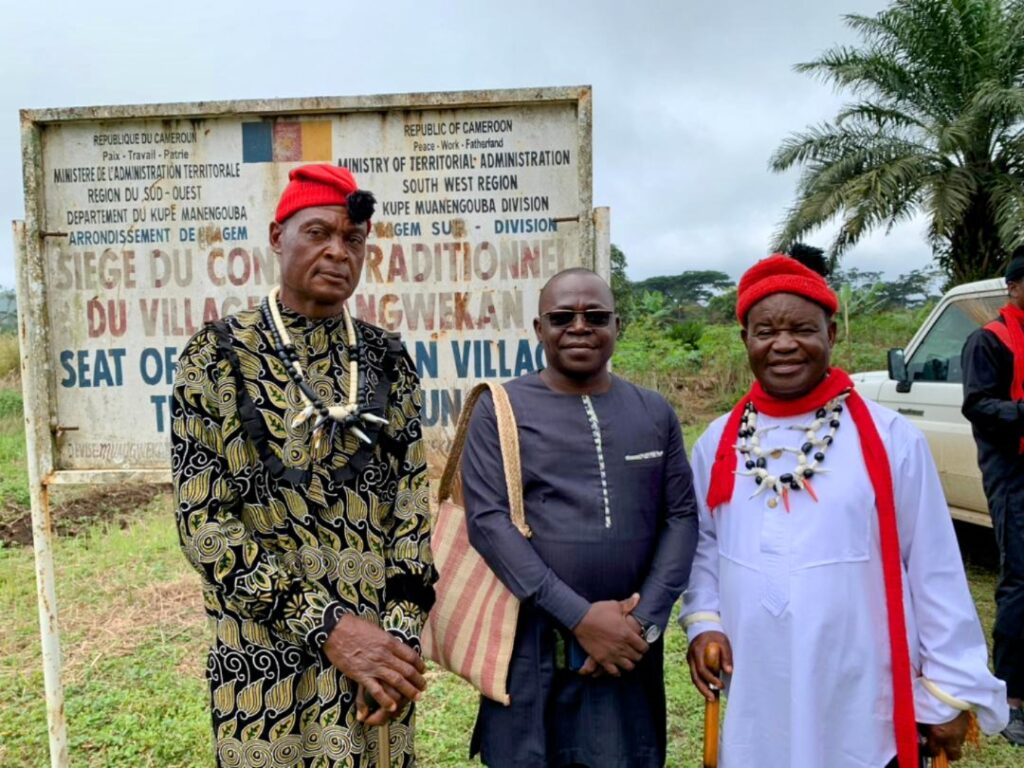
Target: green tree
[[910, 290], [722, 308], [8, 310], [859, 280], [693, 287], [862, 292], [938, 129], [654, 310], [622, 288]]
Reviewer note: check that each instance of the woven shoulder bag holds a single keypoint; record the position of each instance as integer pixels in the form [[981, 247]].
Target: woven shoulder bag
[[472, 626]]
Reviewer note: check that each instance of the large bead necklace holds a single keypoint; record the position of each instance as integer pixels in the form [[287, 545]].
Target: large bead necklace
[[347, 415], [810, 455]]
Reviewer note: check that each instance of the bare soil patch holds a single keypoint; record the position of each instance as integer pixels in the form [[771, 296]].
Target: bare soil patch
[[72, 516]]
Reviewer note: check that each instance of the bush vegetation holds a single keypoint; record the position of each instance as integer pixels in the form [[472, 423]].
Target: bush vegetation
[[13, 470], [702, 368], [10, 357]]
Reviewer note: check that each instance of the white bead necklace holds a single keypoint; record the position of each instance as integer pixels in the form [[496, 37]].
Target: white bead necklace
[[346, 414], [815, 447]]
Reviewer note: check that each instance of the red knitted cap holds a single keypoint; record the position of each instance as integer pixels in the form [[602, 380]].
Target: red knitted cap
[[314, 185], [780, 273]]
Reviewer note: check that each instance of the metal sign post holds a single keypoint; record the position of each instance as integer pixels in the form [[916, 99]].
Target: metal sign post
[[32, 342]]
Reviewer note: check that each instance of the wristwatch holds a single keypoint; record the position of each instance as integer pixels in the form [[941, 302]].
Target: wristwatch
[[650, 631]]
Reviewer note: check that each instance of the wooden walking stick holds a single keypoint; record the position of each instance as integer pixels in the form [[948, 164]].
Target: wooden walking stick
[[384, 745], [713, 661], [383, 732]]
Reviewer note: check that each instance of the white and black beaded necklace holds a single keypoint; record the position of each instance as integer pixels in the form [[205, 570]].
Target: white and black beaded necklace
[[810, 455], [347, 415]]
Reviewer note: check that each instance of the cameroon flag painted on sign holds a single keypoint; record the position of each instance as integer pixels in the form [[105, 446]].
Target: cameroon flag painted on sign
[[286, 141]]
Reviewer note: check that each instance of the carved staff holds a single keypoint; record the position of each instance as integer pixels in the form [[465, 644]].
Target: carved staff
[[713, 661]]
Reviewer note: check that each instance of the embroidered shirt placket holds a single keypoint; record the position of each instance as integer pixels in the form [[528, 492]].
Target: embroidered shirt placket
[[595, 430], [776, 548]]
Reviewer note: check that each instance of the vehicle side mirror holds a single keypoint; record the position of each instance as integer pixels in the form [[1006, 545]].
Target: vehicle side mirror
[[898, 370]]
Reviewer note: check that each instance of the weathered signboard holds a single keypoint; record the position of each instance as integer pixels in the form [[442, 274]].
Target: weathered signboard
[[144, 222]]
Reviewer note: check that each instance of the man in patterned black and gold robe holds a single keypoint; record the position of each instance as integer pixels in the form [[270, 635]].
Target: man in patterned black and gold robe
[[301, 499]]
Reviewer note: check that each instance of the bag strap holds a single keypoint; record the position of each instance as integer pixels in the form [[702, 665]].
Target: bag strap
[[508, 435]]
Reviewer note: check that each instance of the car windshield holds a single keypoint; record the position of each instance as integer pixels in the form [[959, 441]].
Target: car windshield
[[937, 358]]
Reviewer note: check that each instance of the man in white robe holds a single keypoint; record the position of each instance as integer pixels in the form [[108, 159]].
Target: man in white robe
[[788, 574]]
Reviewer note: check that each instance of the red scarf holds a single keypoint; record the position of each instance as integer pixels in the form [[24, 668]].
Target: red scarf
[[723, 480], [1012, 336]]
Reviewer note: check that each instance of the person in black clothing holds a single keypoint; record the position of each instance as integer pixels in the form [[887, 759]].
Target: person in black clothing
[[609, 496], [300, 483], [993, 369]]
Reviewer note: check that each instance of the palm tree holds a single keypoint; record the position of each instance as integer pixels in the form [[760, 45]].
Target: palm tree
[[938, 129]]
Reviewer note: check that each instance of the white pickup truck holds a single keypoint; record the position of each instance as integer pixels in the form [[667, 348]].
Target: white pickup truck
[[924, 383]]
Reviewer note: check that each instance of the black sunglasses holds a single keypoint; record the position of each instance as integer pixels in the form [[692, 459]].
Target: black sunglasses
[[595, 318]]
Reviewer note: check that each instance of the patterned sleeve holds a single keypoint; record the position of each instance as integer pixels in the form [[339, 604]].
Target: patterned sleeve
[[250, 581], [409, 564]]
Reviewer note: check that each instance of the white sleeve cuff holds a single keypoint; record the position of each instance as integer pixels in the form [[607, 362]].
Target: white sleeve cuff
[[705, 616], [934, 705], [700, 622]]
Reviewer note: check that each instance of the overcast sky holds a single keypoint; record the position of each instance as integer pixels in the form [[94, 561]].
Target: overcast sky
[[690, 97]]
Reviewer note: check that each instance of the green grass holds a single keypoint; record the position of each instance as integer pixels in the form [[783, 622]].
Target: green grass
[[133, 636], [134, 645], [13, 470], [10, 357]]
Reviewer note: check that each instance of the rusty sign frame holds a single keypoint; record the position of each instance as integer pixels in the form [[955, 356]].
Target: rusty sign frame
[[38, 380]]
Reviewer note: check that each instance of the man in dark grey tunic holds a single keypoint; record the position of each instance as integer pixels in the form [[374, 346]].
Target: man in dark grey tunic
[[608, 493]]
